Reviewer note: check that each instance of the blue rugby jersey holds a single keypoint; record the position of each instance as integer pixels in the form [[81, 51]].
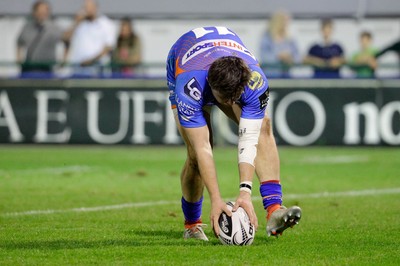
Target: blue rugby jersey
[[187, 67]]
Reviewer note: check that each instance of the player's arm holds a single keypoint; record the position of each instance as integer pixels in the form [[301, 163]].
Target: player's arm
[[199, 140], [249, 132]]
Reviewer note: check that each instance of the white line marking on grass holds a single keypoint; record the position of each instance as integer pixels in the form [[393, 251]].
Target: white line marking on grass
[[351, 193], [340, 159], [92, 209], [52, 170]]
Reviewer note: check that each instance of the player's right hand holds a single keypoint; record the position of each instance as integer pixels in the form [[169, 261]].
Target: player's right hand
[[244, 201], [217, 207]]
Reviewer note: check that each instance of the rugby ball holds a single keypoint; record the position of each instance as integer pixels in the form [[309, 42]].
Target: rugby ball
[[237, 229]]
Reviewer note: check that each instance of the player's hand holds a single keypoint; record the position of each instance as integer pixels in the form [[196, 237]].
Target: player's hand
[[244, 201], [217, 207]]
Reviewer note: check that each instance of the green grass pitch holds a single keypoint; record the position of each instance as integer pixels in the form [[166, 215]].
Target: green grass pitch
[[102, 205]]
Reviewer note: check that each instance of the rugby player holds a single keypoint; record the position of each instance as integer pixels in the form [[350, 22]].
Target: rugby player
[[207, 67]]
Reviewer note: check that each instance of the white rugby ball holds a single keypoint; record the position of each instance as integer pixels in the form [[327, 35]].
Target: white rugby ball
[[237, 229]]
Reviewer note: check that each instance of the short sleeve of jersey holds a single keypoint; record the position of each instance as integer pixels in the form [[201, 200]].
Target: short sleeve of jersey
[[171, 69], [255, 97], [190, 99]]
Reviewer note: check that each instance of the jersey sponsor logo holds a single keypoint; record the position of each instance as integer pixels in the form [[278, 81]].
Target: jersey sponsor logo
[[256, 81], [186, 118], [264, 99], [204, 46], [185, 110], [185, 105], [192, 89]]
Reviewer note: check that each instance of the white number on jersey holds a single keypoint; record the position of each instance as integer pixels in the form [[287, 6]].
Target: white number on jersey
[[200, 32]]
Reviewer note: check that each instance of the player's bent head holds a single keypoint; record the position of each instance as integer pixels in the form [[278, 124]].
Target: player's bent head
[[227, 77]]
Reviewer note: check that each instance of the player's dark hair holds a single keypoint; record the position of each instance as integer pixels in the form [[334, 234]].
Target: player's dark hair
[[228, 75]]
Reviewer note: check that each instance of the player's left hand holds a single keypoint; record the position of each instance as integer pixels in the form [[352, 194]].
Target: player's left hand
[[244, 201], [217, 207]]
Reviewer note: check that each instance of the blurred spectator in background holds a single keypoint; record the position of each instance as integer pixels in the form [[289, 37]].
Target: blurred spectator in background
[[278, 51], [363, 62], [36, 44], [92, 38], [327, 57], [128, 51]]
